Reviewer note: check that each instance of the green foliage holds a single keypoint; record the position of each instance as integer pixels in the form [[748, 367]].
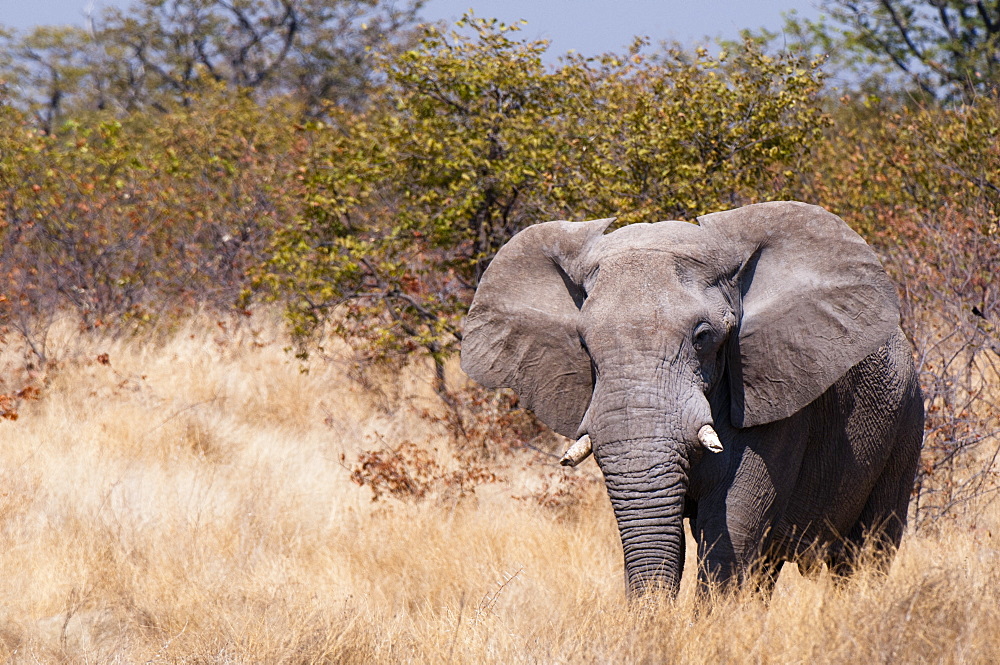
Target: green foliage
[[408, 201], [679, 135], [473, 139]]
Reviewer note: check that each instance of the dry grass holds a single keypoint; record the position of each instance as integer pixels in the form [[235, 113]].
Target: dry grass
[[188, 503]]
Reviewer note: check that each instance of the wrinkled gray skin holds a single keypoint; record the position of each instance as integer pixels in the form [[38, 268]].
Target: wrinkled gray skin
[[775, 323]]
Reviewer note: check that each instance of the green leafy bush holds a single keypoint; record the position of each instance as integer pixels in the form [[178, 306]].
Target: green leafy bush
[[473, 139]]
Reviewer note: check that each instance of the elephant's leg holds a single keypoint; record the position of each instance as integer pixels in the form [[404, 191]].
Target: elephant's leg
[[733, 526], [717, 559], [735, 519], [723, 565], [876, 535], [728, 536]]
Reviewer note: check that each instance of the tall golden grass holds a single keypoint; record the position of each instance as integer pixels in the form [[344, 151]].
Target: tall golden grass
[[190, 500]]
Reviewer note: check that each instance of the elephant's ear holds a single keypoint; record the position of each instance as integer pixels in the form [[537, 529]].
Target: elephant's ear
[[815, 302], [521, 331]]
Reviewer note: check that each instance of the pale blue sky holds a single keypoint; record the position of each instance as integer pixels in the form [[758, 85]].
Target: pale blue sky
[[586, 26]]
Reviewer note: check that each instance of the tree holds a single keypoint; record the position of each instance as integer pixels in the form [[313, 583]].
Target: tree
[[948, 49], [157, 53], [473, 138], [53, 63], [680, 134], [320, 50], [408, 201]]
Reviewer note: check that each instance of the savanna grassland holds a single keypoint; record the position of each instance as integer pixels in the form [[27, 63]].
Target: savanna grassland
[[190, 499], [237, 243]]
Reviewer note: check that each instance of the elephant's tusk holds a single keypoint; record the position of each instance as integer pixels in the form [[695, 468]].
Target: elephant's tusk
[[578, 452], [709, 438]]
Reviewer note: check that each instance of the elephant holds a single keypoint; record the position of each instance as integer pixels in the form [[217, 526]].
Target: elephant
[[747, 372]]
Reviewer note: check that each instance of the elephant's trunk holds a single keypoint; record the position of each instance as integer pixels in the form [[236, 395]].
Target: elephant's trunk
[[647, 482], [645, 434]]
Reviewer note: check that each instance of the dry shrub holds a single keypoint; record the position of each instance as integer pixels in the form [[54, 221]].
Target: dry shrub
[[9, 403], [564, 492], [920, 183], [405, 471], [491, 423], [486, 432], [141, 219], [943, 261]]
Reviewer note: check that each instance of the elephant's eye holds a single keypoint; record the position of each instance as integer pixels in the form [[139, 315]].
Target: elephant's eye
[[704, 335]]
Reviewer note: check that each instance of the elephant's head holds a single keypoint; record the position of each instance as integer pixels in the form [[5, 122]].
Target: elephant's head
[[643, 337]]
